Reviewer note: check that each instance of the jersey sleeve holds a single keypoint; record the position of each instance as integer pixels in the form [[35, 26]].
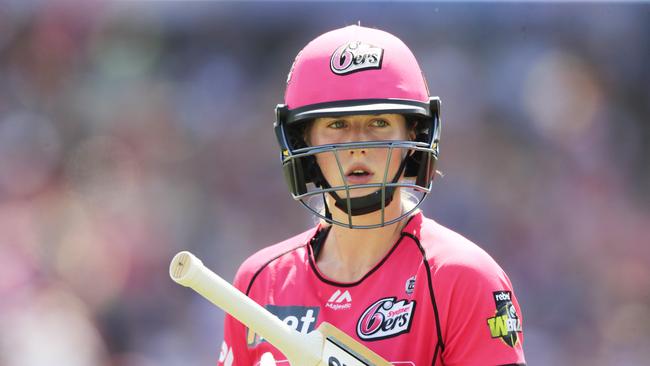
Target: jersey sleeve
[[481, 318], [234, 349]]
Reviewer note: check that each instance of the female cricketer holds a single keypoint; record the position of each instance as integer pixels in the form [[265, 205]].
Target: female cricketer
[[359, 137]]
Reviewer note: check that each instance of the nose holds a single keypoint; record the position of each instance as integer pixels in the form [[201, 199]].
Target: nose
[[360, 151], [358, 134]]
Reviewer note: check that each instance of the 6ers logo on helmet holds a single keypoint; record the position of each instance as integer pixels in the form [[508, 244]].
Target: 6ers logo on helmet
[[386, 318], [355, 56]]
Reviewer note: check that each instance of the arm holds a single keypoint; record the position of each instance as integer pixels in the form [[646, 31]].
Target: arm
[[481, 318]]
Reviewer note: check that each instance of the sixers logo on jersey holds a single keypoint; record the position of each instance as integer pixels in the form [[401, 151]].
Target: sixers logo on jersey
[[386, 318]]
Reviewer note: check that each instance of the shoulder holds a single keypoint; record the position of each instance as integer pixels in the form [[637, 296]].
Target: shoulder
[[451, 256], [480, 318], [282, 252]]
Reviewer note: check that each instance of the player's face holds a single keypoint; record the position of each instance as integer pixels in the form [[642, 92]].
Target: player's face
[[361, 165]]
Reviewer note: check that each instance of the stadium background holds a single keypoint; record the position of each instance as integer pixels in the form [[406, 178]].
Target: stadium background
[[131, 130]]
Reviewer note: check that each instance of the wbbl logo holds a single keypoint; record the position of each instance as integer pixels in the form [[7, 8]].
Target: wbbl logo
[[385, 318], [355, 56], [506, 323]]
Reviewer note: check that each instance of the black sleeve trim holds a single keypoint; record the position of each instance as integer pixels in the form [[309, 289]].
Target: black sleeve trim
[[440, 345], [318, 241], [259, 270], [435, 354], [514, 364]]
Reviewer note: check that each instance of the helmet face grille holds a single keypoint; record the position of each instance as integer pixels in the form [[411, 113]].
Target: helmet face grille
[[357, 199]]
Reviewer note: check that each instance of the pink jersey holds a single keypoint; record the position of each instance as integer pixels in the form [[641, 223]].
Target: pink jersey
[[434, 299]]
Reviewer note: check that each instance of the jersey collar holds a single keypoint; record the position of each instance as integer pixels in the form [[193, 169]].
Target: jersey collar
[[414, 225]]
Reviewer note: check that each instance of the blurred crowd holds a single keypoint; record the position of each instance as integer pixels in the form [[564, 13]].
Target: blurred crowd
[[132, 130]]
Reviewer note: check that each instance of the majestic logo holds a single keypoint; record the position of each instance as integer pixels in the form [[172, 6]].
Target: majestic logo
[[505, 324], [409, 287], [385, 318], [355, 56], [339, 301], [300, 318]]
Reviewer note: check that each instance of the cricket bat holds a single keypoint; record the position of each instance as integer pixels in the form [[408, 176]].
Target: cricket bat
[[325, 346]]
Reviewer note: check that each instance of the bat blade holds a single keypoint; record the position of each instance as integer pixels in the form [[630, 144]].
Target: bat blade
[[340, 349]]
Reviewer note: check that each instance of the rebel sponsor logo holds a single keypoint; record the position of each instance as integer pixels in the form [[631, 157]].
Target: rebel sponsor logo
[[339, 300], [505, 324], [386, 318], [300, 318], [355, 56]]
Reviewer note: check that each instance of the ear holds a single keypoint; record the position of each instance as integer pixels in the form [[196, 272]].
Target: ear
[[412, 129]]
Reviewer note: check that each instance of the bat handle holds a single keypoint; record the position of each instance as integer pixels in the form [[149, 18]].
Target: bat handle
[[188, 270]]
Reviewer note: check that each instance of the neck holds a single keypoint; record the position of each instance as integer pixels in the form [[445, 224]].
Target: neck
[[348, 254]]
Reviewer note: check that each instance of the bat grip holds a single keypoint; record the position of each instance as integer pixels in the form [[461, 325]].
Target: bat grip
[[189, 271]]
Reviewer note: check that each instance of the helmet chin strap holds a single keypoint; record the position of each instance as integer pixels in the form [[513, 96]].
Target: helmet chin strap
[[364, 204]]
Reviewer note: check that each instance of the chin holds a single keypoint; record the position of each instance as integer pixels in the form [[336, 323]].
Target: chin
[[359, 192]]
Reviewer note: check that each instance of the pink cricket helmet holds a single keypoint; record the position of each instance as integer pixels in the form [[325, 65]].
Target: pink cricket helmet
[[358, 69], [355, 70]]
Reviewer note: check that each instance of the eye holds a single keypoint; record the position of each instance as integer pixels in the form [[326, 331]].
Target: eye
[[337, 124], [379, 123]]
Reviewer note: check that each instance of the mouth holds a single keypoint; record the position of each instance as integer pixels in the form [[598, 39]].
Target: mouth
[[358, 175]]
